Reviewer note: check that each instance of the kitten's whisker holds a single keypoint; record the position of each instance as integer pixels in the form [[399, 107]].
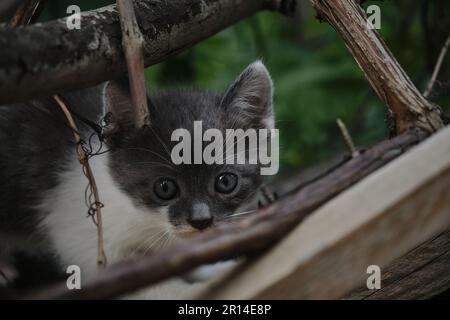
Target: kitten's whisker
[[227, 138], [154, 163], [164, 240], [162, 143], [169, 239], [146, 242], [234, 143], [155, 153], [239, 214], [156, 242], [151, 239], [240, 152]]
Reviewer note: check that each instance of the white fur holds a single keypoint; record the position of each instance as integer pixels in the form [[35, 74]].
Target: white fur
[[126, 226]]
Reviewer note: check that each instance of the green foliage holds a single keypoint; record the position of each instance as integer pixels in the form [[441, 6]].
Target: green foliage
[[316, 78]]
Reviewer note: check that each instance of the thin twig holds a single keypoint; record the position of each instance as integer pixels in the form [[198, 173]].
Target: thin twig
[[348, 139], [84, 161], [133, 45], [437, 68], [25, 13]]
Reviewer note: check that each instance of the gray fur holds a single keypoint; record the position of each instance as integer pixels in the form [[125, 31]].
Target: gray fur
[[37, 145]]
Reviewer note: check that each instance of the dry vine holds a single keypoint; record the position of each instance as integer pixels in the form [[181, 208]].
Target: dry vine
[[96, 205]]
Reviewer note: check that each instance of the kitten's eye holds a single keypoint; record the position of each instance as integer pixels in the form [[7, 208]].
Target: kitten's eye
[[226, 182], [165, 189]]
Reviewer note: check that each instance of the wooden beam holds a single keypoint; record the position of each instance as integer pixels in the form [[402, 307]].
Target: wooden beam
[[422, 273], [377, 220]]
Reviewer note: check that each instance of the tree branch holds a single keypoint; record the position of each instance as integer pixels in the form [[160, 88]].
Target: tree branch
[[246, 236], [133, 45], [407, 106], [44, 59]]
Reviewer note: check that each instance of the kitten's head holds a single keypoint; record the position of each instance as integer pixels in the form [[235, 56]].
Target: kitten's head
[[187, 197]]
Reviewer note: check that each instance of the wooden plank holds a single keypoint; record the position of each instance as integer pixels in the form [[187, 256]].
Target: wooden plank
[[422, 273], [377, 220]]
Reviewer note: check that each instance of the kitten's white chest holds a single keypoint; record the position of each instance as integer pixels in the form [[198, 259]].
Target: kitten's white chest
[[74, 234], [126, 227]]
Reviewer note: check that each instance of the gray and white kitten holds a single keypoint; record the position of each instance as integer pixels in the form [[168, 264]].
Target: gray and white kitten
[[149, 201]]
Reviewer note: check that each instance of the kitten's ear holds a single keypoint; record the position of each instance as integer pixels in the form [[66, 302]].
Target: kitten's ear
[[118, 102], [249, 99], [119, 105]]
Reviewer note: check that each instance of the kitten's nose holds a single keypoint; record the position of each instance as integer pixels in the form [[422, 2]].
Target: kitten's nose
[[200, 224], [200, 217]]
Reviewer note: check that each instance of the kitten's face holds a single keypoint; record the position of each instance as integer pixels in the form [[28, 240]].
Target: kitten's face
[[188, 197]]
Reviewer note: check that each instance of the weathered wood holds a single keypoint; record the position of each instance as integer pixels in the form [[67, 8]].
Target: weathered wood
[[376, 221], [406, 105], [48, 58], [246, 236], [422, 273], [133, 45]]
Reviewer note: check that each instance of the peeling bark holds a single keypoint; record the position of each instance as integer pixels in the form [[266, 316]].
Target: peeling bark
[[407, 107], [44, 59]]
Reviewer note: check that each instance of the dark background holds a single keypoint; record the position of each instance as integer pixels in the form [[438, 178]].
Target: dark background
[[316, 78]]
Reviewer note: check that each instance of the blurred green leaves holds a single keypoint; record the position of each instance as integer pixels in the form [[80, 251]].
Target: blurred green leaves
[[316, 78]]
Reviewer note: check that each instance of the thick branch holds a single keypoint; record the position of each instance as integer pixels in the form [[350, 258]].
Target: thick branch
[[249, 235], [406, 104], [44, 59]]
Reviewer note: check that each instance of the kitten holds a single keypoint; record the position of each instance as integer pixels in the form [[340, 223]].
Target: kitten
[[149, 201]]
